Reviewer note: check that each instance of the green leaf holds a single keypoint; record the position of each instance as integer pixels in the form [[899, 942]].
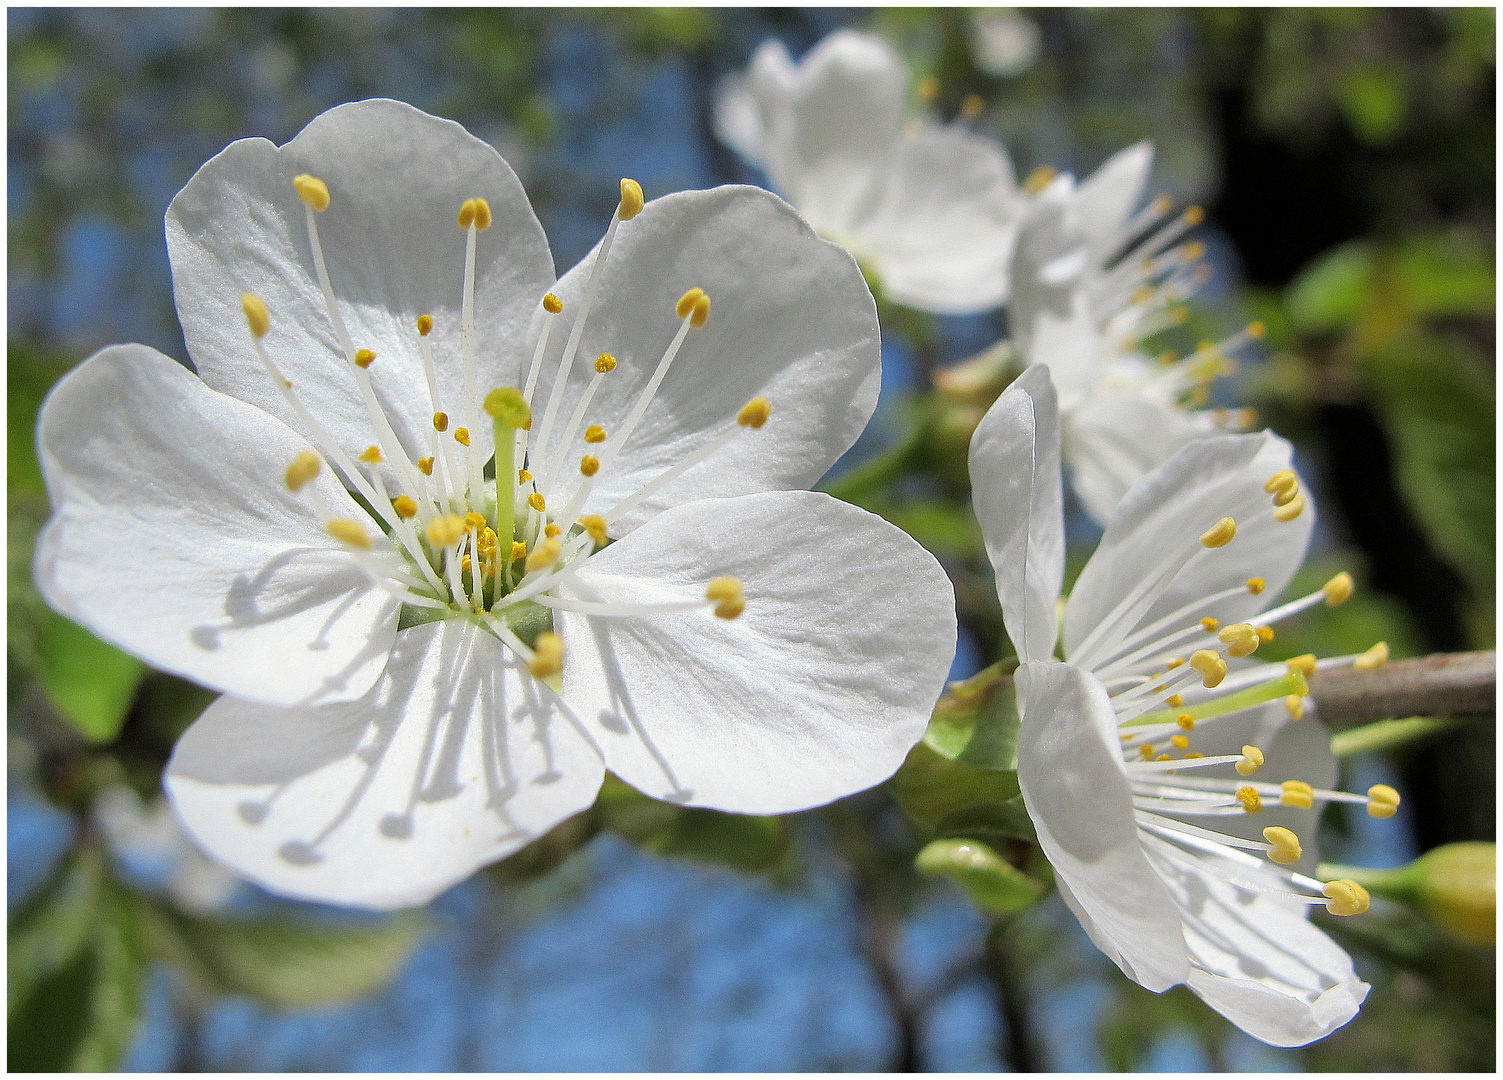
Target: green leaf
[[1332, 292], [745, 842], [283, 962], [934, 789], [89, 683], [50, 931], [1374, 99], [993, 884], [1442, 274]]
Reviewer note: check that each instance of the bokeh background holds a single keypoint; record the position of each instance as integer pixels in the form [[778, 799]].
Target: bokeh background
[[1345, 158]]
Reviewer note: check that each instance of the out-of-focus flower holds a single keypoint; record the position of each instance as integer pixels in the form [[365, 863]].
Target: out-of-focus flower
[[435, 621], [1137, 764], [931, 209], [148, 839], [1092, 280], [1004, 42]]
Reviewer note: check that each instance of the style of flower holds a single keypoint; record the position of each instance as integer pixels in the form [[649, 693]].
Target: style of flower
[[932, 209], [1092, 280], [1137, 764], [454, 538]]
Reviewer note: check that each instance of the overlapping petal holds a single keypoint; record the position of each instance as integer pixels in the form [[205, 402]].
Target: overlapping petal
[[817, 690], [1114, 438], [174, 537], [454, 759]]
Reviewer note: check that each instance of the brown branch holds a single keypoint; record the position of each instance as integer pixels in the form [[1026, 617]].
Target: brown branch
[[1445, 684]]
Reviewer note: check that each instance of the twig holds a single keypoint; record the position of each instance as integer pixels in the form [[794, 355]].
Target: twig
[[1445, 684]]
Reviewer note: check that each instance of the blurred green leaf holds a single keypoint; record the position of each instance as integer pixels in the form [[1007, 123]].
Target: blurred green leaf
[[976, 721], [50, 930], [90, 683], [1444, 274], [744, 842], [1374, 99], [1332, 292], [993, 884], [283, 962]]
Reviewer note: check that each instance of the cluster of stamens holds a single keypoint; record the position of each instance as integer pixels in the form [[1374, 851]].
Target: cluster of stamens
[[448, 542], [1163, 700]]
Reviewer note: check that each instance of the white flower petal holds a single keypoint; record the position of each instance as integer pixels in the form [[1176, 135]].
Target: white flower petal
[[1162, 518], [1076, 791], [817, 690], [1048, 260], [791, 320], [1015, 485], [455, 759], [397, 177], [1114, 438], [942, 235], [1258, 961], [738, 118], [1105, 200], [174, 536]]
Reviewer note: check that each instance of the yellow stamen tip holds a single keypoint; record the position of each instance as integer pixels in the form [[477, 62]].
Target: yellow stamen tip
[[349, 531], [523, 476], [1194, 215], [1286, 846], [1219, 534], [1210, 625], [1193, 754], [462, 436], [1293, 509], [475, 212], [1146, 751], [1339, 589], [701, 312], [440, 421], [728, 595], [425, 325], [1174, 662], [545, 554], [1346, 897], [551, 530], [1294, 705], [1185, 721], [1241, 639], [256, 315], [594, 524], [1382, 801], [1251, 801], [605, 362], [685, 305], [304, 468], [754, 413], [1252, 761], [971, 106], [445, 531], [547, 655], [1039, 179], [507, 405], [927, 88], [1256, 330], [535, 500], [312, 191], [1174, 701], [474, 521], [371, 455], [364, 358], [1194, 250], [1265, 634], [589, 465], [1180, 742], [594, 434], [1298, 794], [518, 550], [1210, 665], [631, 199], [425, 466], [1375, 657], [552, 304]]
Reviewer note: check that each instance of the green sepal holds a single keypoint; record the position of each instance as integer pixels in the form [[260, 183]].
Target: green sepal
[[992, 883]]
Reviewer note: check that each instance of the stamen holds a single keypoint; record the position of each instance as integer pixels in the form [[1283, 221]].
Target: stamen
[[544, 555], [1291, 511], [313, 192], [1256, 585], [1375, 657], [594, 525], [631, 199], [405, 506], [594, 434], [729, 598], [588, 465], [1252, 761], [551, 530], [1220, 534], [1241, 639], [304, 468], [1251, 801], [349, 531], [444, 532], [1295, 706], [754, 413], [462, 437], [364, 358], [548, 655], [1298, 794], [1039, 179], [1347, 897], [256, 315], [537, 502], [605, 363], [1286, 850], [1209, 664], [1383, 801], [371, 455]]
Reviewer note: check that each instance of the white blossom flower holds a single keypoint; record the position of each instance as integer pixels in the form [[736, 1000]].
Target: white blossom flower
[[1136, 764], [933, 209], [1091, 282], [146, 837], [429, 659]]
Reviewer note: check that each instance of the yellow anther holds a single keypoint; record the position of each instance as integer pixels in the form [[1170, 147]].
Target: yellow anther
[[701, 312], [1179, 316], [631, 199], [256, 315], [1129, 737], [1305, 664], [1179, 742], [1167, 357], [535, 500], [1265, 634], [1164, 757], [1256, 585], [425, 466], [1160, 205], [1251, 801], [594, 524], [1375, 657], [754, 413], [487, 540], [545, 554], [313, 191], [730, 599], [518, 550], [1210, 625], [1286, 847], [1346, 897], [364, 358], [425, 325], [1174, 701], [474, 521], [1256, 330], [1194, 215], [1339, 589], [1291, 510], [1286, 496], [605, 362], [547, 655], [589, 465], [1194, 250], [1210, 665], [371, 455], [462, 436], [1039, 179], [550, 531], [1219, 534], [1241, 639], [507, 405], [1147, 750], [304, 467], [476, 212], [1185, 721], [523, 476], [1247, 418], [1298, 794], [552, 304], [1294, 705], [971, 106], [594, 434], [1142, 296], [1192, 755], [445, 531], [1174, 662], [686, 303], [927, 88], [1382, 801], [1252, 761], [349, 531], [440, 421]]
